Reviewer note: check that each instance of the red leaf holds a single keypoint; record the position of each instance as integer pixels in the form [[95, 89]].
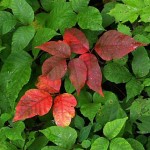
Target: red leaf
[[63, 109], [78, 73], [76, 40], [94, 75], [59, 49], [34, 102], [54, 67], [44, 83], [113, 45]]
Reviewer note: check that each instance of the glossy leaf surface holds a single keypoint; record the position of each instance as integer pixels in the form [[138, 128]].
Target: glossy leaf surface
[[94, 78], [113, 45], [76, 40], [54, 67], [50, 86], [63, 109], [78, 73], [34, 102]]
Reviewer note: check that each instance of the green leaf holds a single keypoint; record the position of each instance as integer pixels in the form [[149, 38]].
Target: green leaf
[[90, 18], [7, 22], [100, 143], [21, 37], [120, 144], [23, 11], [3, 118], [7, 146], [141, 62], [86, 143], [4, 4], [90, 110], [136, 145], [52, 148], [62, 16], [124, 29], [116, 73], [79, 122], [68, 86], [64, 137], [15, 74], [142, 38], [34, 4], [146, 82], [133, 88], [121, 61], [113, 128], [78, 5], [134, 3]]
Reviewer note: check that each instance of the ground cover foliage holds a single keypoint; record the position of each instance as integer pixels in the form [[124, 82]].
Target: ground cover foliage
[[74, 74]]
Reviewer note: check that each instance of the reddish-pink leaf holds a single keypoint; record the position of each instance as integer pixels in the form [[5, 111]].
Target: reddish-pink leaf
[[94, 75], [50, 86], [59, 49], [78, 73], [34, 102], [76, 40], [113, 45], [54, 67], [63, 109]]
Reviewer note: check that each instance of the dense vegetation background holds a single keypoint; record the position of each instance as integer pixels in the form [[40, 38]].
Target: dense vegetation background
[[118, 121]]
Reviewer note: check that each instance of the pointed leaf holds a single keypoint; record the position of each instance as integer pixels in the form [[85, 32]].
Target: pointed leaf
[[34, 102], [44, 83], [78, 73], [54, 67], [113, 44], [63, 109], [60, 48], [76, 40], [94, 78]]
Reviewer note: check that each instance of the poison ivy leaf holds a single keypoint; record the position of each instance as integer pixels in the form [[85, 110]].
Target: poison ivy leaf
[[44, 83], [142, 38], [76, 40], [120, 143], [113, 44], [78, 73], [67, 19], [136, 145], [94, 75], [69, 88], [124, 29], [21, 37], [63, 109], [141, 62], [54, 67], [90, 110], [7, 22], [64, 137], [23, 11], [33, 102], [59, 49], [17, 66], [100, 143], [116, 73], [90, 18], [133, 88], [78, 5], [113, 128], [79, 122]]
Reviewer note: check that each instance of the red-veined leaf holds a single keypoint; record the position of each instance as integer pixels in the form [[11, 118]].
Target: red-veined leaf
[[34, 102], [63, 109], [76, 40], [78, 73], [59, 49], [50, 86], [94, 75], [113, 45], [54, 67]]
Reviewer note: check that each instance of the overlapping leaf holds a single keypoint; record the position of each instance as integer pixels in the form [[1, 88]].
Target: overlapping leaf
[[63, 109], [94, 75], [113, 44], [51, 86], [54, 67], [78, 73], [34, 102], [76, 40], [60, 48]]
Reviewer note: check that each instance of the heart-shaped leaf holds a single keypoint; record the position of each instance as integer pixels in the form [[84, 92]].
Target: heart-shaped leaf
[[113, 45], [76, 40], [34, 102], [63, 109]]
